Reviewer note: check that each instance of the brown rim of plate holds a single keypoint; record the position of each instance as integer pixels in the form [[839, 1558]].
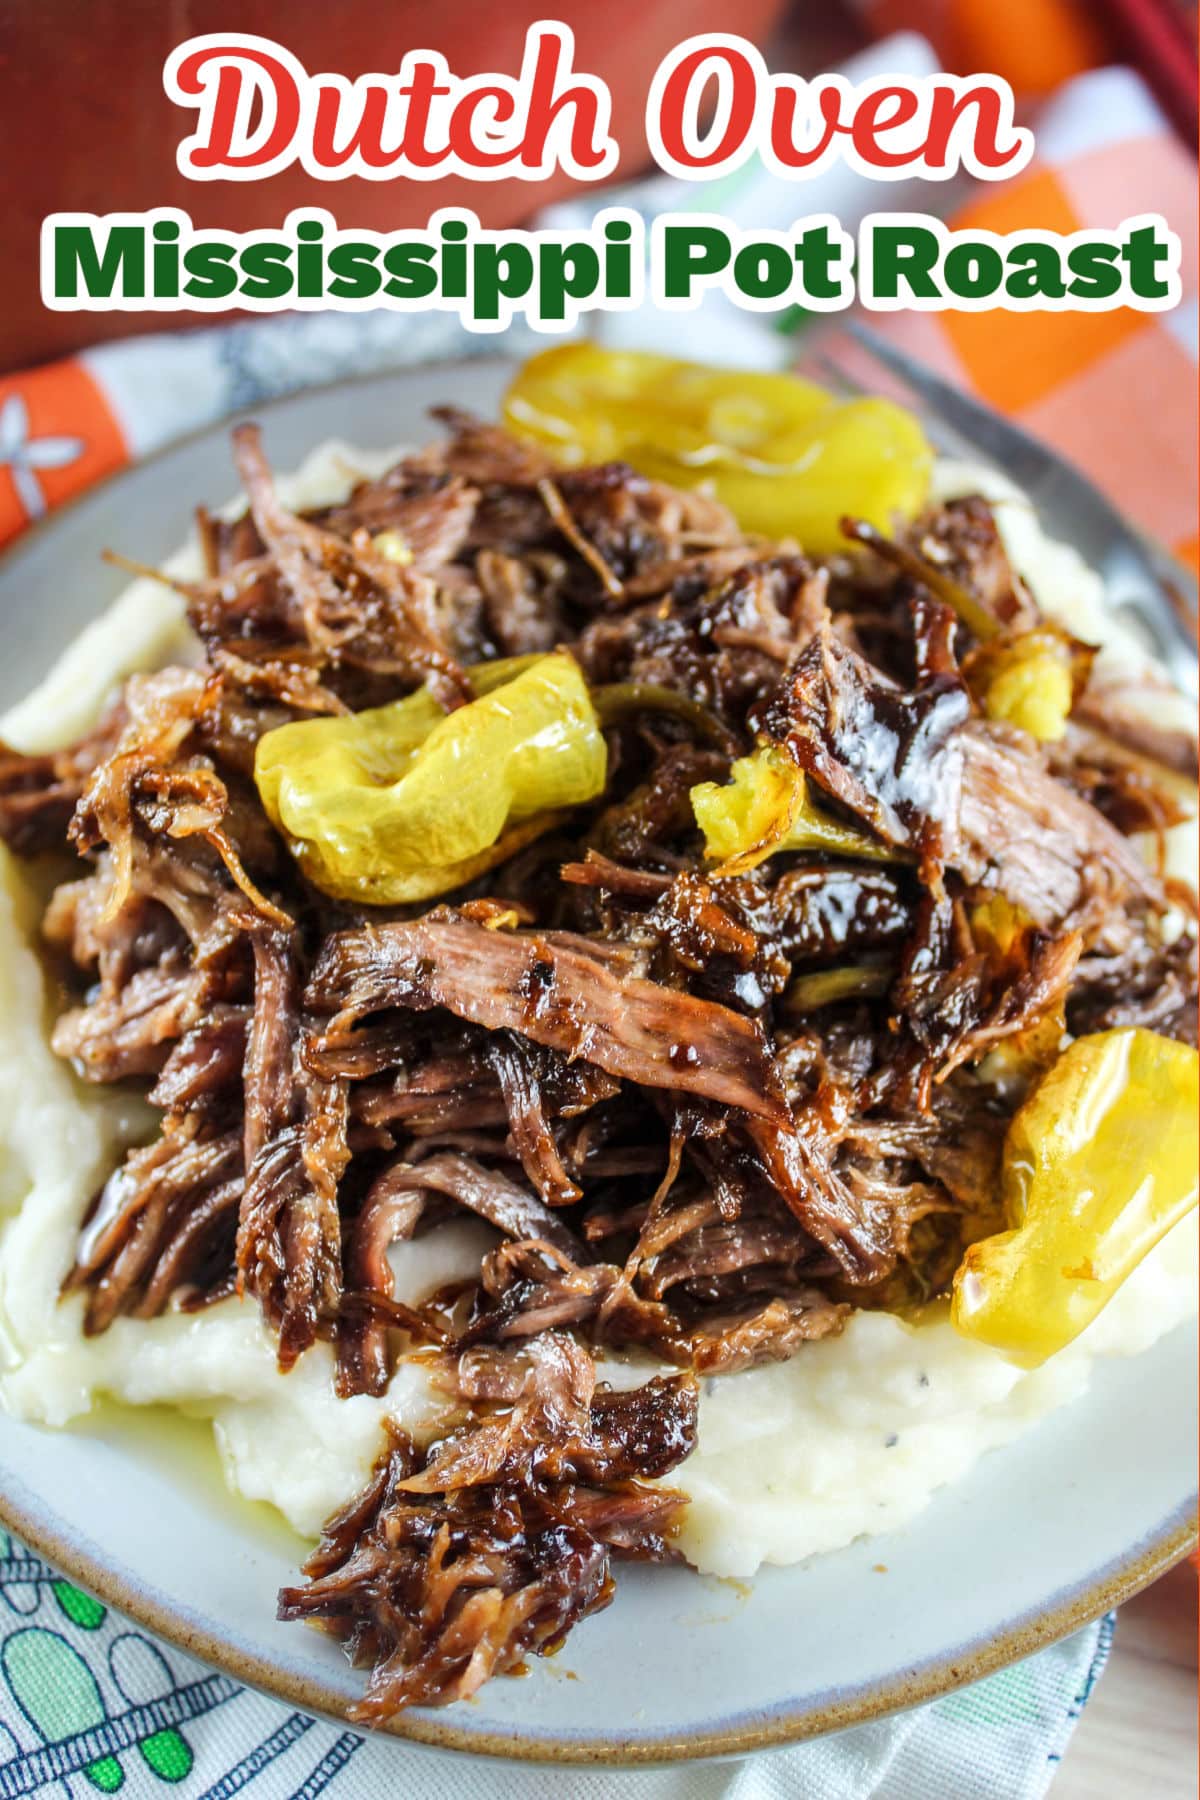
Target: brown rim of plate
[[928, 1682]]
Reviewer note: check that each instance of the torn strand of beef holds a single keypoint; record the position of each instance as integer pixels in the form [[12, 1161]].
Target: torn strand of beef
[[354, 604], [455, 1564], [559, 992], [295, 1149]]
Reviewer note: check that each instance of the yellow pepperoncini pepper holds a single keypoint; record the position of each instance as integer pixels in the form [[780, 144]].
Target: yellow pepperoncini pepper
[[786, 457], [1031, 681], [1099, 1163], [765, 807], [406, 801]]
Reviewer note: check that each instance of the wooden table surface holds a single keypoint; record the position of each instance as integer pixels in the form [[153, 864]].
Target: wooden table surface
[[1138, 1734]]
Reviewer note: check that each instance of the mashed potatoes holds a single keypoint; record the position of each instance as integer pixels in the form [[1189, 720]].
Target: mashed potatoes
[[852, 1436]]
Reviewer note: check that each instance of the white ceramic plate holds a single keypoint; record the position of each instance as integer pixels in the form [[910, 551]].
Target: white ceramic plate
[[1074, 1516]]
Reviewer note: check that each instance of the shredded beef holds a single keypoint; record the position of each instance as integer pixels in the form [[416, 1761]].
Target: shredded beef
[[698, 1118], [295, 1151], [1026, 834], [459, 1561], [891, 757], [558, 991]]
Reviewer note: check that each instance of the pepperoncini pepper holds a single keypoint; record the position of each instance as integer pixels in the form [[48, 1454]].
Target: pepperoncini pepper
[[1031, 680], [786, 457], [1099, 1163], [764, 807], [403, 802]]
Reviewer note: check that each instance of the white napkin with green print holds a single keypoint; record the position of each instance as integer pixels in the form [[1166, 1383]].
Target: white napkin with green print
[[89, 1704]]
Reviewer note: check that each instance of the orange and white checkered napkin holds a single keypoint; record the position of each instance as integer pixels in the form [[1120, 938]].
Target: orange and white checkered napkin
[[1114, 391]]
